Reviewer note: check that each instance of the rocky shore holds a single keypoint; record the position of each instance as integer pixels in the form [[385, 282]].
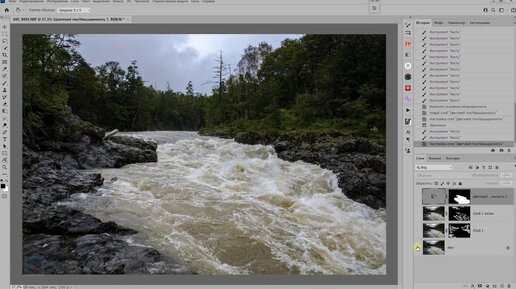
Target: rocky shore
[[359, 163], [58, 239]]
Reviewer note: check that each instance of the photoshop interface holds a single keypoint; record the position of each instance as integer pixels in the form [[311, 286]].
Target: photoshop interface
[[166, 143]]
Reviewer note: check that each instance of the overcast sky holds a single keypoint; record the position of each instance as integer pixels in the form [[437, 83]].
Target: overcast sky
[[174, 58]]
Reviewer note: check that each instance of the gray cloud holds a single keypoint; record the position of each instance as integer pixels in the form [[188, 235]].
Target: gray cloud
[[174, 58]]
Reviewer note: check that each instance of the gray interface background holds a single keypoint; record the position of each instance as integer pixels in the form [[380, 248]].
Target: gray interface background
[[390, 30]]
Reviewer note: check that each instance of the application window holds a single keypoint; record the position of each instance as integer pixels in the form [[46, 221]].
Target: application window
[[264, 144]]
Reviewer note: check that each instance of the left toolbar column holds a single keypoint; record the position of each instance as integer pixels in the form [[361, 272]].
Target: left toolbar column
[[4, 106]]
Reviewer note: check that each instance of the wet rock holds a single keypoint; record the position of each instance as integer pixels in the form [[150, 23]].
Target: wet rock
[[361, 176], [60, 220], [134, 142], [102, 254], [45, 181], [58, 239], [89, 254], [86, 154], [77, 144], [127, 150], [44, 254], [359, 163]]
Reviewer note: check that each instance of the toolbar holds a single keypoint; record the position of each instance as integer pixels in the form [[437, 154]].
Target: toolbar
[[4, 106]]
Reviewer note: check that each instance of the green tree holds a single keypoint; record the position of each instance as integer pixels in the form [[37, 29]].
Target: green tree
[[189, 88], [313, 82], [47, 59]]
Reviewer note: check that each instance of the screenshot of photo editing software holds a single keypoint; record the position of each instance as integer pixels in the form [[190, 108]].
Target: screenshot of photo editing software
[[257, 144]]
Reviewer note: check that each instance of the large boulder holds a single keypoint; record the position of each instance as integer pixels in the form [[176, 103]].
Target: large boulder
[[60, 220], [91, 254], [62, 240], [78, 144]]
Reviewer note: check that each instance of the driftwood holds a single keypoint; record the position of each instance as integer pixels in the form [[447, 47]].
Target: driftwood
[[111, 133]]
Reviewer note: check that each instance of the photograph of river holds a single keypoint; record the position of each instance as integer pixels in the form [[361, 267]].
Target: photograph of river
[[204, 154]]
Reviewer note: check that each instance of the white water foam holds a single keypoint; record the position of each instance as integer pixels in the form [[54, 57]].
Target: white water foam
[[220, 207]]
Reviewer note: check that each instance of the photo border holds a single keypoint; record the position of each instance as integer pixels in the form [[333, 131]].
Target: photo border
[[391, 32]]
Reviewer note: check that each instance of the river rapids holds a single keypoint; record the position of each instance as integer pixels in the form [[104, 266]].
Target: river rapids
[[220, 207]]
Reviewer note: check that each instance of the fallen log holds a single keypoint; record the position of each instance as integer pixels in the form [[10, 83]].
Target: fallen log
[[111, 133]]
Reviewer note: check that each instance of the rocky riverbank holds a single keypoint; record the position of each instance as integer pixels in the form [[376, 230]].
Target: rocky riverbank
[[359, 163], [58, 239]]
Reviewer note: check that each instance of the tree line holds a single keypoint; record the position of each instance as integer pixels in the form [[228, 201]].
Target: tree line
[[314, 82]]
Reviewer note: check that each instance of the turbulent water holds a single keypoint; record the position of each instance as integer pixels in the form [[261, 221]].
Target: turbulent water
[[220, 207]]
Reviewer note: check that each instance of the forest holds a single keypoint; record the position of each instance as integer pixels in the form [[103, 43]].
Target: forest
[[313, 83]]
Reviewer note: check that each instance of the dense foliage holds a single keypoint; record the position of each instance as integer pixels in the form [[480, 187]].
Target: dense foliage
[[316, 82]]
